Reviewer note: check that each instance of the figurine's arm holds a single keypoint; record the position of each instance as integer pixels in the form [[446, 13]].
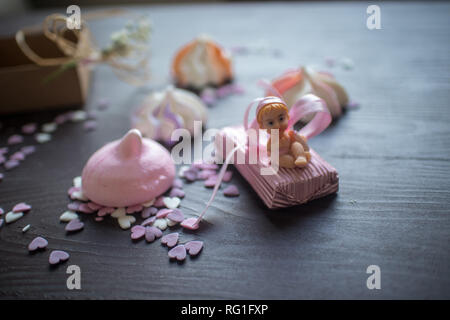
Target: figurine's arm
[[269, 142], [295, 136]]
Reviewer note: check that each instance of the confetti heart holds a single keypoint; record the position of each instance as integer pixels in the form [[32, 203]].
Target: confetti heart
[[227, 176], [43, 137], [148, 212], [29, 128], [163, 213], [27, 150], [85, 208], [137, 232], [21, 207], [37, 243], [90, 125], [74, 225], [179, 253], [68, 216], [159, 203], [78, 116], [19, 156], [177, 183], [190, 223], [205, 174], [94, 206], [170, 239], [152, 233], [209, 166], [160, 224], [211, 181], [77, 182], [125, 222], [15, 139], [176, 192], [105, 211], [194, 247], [49, 127], [134, 209], [148, 203], [13, 216], [148, 221], [78, 195], [231, 191], [190, 175], [176, 216], [11, 164], [119, 212], [171, 203], [57, 256], [73, 206]]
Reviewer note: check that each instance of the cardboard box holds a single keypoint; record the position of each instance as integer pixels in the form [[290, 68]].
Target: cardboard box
[[23, 84]]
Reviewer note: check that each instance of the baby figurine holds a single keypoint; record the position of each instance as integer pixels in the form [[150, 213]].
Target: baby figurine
[[272, 113]]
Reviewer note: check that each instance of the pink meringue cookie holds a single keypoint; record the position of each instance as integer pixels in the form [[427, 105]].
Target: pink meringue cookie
[[127, 172]]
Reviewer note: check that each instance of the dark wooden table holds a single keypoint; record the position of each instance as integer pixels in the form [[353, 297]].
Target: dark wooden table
[[392, 155]]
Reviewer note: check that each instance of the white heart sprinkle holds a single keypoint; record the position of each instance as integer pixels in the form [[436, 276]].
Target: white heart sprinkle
[[49, 127], [78, 195], [43, 137], [119, 212], [160, 224], [126, 221], [77, 182], [79, 115], [171, 223], [25, 229], [68, 216], [13, 216], [148, 203], [171, 203], [182, 170]]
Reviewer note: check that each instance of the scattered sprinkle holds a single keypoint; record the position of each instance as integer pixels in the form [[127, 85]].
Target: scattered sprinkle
[[37, 243], [15, 139], [43, 137], [26, 228], [57, 256], [194, 247], [68, 216], [179, 253], [13, 216], [231, 191]]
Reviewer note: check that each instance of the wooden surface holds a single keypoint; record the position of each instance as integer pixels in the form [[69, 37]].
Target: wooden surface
[[392, 155]]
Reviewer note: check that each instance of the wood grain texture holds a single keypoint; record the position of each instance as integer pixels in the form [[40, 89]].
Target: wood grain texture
[[392, 155]]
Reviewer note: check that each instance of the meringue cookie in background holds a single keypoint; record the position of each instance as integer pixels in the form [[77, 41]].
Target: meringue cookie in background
[[128, 171], [294, 84], [164, 111], [202, 63]]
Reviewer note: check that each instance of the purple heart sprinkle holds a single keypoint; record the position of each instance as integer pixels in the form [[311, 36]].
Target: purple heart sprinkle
[[205, 174], [151, 233], [170, 239], [159, 203], [176, 216], [10, 164], [148, 221], [163, 213], [19, 156], [211, 181], [175, 192], [137, 232], [85, 208], [94, 206], [227, 176], [148, 212], [90, 125], [15, 139], [134, 209], [105, 211], [27, 150], [231, 191], [190, 175], [209, 166], [2, 159], [194, 247], [73, 206], [74, 225], [190, 223], [37, 243], [179, 253], [177, 183], [4, 150], [57, 256], [21, 207], [29, 128]]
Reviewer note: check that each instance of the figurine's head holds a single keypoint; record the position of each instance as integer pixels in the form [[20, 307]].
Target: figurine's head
[[272, 113]]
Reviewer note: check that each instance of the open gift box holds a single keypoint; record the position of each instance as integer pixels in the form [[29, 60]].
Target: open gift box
[[28, 86]]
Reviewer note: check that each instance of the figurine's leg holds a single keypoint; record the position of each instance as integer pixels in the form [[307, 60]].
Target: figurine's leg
[[287, 161], [302, 140], [299, 154]]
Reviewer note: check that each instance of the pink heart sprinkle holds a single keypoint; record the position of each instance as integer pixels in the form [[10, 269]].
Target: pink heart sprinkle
[[29, 128], [85, 208], [190, 175], [73, 206], [148, 221], [211, 181], [105, 211], [227, 176], [137, 232], [74, 225], [190, 223], [179, 253], [27, 150], [57, 256], [205, 174], [37, 243], [60, 119], [151, 233], [19, 156], [134, 209], [15, 139], [231, 191], [4, 150], [163, 213], [209, 166], [170, 239], [176, 215], [94, 206], [148, 212], [90, 125], [72, 190], [175, 192], [21, 207], [159, 203], [10, 164], [177, 183], [194, 247]]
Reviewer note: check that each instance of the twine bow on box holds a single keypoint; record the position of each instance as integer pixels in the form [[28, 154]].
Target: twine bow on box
[[84, 51]]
